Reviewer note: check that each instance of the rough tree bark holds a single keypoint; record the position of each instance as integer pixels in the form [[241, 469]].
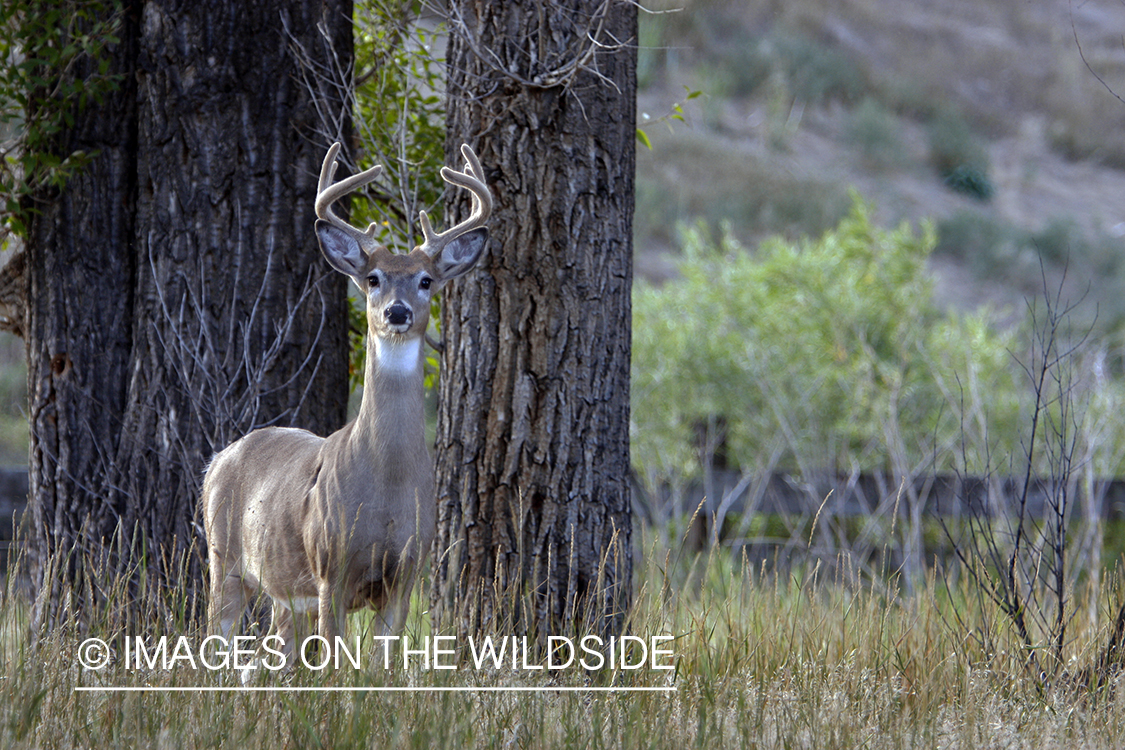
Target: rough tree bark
[[534, 507], [176, 293]]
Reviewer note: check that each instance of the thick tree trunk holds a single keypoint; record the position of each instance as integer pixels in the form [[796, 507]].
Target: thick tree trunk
[[177, 297], [80, 275], [534, 510]]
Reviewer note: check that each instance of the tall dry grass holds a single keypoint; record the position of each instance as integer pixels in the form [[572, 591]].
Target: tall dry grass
[[766, 655]]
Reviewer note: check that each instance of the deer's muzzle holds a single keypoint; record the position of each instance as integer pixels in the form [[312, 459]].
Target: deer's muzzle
[[398, 314]]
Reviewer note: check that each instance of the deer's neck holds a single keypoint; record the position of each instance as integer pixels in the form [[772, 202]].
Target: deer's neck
[[394, 359], [391, 415]]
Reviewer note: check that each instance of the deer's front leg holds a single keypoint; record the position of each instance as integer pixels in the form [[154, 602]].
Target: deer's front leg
[[281, 625], [228, 601], [397, 609], [333, 611]]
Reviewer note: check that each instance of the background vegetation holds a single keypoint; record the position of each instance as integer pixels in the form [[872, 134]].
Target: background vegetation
[[828, 350], [963, 113], [784, 329]]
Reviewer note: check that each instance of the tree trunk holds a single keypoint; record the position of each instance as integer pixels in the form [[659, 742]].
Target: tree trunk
[[177, 296], [534, 507]]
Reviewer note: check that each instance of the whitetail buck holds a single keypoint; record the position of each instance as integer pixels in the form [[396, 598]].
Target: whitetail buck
[[327, 525]]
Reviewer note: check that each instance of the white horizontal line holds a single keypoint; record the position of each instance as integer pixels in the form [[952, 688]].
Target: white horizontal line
[[280, 689]]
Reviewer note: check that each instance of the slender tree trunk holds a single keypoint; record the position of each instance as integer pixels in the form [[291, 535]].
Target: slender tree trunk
[[177, 297], [534, 508]]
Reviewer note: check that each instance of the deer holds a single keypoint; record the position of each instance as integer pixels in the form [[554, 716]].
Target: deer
[[324, 526]]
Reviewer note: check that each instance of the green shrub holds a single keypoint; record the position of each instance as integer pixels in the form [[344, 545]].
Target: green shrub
[[958, 156], [826, 352], [818, 72], [970, 180], [739, 71], [995, 249], [876, 131], [981, 242], [1059, 240], [988, 245]]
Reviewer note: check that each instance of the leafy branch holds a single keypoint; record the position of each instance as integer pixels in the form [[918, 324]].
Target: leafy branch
[[676, 113], [42, 46]]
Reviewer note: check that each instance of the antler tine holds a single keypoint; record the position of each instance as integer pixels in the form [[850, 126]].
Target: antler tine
[[472, 179], [328, 192]]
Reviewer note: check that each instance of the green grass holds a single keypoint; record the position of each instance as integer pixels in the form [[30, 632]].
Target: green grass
[[810, 655]]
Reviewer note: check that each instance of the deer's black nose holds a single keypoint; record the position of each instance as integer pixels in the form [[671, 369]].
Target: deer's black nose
[[398, 314]]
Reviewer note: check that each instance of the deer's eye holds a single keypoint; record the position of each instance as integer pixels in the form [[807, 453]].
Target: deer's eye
[[425, 282], [373, 281]]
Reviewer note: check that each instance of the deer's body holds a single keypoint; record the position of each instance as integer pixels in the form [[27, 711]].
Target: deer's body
[[324, 526], [295, 522]]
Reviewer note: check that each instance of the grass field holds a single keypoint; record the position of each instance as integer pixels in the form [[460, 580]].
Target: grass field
[[812, 654]]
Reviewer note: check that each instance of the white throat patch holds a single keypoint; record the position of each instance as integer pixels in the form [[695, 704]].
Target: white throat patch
[[399, 357]]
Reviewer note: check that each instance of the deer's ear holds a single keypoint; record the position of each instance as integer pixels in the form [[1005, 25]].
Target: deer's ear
[[341, 249], [461, 254]]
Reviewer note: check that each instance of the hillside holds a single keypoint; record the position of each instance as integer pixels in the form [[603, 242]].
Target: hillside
[[987, 118]]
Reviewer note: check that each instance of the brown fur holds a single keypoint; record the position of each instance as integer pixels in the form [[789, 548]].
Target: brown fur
[[329, 525]]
